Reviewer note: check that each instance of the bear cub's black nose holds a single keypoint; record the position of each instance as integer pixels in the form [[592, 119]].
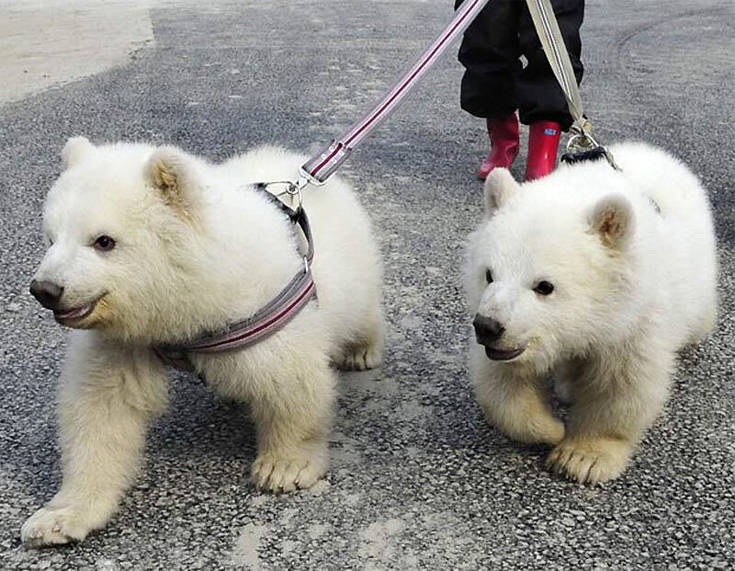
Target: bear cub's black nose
[[48, 294], [487, 329]]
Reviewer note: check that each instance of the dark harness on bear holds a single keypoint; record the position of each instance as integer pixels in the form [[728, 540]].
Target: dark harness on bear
[[582, 156], [268, 319]]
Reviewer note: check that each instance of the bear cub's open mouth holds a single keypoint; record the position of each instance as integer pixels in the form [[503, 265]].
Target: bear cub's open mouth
[[503, 354], [75, 314]]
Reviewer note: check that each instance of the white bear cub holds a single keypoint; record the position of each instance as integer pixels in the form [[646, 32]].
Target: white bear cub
[[598, 277], [153, 246]]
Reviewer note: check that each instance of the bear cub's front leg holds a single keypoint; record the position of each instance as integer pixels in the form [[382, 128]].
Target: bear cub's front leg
[[106, 398], [514, 403], [612, 406]]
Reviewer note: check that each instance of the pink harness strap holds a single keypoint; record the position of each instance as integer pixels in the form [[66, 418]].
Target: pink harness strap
[[267, 320]]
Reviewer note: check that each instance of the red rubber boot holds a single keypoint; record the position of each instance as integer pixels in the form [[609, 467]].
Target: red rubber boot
[[543, 142], [504, 143]]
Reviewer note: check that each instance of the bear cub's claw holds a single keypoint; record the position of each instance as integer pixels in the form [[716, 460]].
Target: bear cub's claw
[[590, 461], [277, 474], [361, 358], [52, 526]]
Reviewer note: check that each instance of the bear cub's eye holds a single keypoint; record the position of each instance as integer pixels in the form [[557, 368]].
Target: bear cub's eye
[[104, 243], [544, 287], [488, 276]]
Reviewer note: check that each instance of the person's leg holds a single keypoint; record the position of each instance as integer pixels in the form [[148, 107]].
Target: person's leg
[[489, 52], [504, 144], [543, 146], [541, 101]]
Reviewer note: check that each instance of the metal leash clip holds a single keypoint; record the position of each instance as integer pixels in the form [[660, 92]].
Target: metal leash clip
[[293, 190], [294, 210], [582, 146]]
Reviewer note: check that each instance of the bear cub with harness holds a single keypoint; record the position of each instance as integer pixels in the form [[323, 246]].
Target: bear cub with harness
[[597, 276], [151, 248]]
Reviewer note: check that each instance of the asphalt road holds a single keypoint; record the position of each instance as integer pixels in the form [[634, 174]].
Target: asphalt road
[[418, 480]]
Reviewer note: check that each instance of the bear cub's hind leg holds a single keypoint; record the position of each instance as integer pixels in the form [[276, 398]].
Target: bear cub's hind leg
[[292, 422]]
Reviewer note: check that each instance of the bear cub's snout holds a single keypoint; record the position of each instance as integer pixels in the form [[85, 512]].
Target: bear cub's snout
[[487, 329]]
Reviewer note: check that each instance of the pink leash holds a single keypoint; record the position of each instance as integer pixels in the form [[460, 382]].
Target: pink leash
[[325, 163]]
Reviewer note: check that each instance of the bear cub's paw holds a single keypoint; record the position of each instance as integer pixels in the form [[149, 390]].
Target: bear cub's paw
[[54, 526], [590, 461], [361, 358], [287, 472]]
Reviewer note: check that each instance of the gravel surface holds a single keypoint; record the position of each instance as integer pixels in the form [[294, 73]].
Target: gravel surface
[[418, 480]]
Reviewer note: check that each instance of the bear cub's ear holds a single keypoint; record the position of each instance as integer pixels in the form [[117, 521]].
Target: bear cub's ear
[[169, 171], [612, 219], [75, 149], [500, 187]]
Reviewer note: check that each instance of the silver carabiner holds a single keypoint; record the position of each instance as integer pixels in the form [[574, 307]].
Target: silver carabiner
[[582, 141], [293, 190]]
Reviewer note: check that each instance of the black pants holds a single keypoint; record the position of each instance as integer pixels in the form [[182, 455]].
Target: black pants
[[495, 84]]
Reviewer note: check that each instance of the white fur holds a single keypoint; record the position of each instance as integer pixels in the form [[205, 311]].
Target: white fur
[[631, 286], [196, 248]]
